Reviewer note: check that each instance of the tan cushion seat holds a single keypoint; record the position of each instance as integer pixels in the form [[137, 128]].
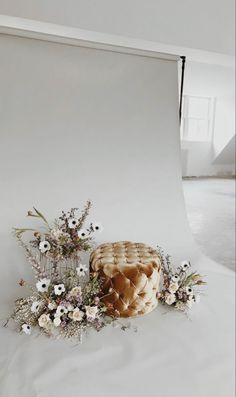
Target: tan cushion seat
[[130, 275]]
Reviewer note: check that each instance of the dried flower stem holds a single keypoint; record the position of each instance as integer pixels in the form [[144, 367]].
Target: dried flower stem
[[32, 259], [85, 213]]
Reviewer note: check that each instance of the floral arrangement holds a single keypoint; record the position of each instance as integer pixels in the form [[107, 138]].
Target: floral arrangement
[[66, 300], [65, 307], [63, 240], [181, 286]]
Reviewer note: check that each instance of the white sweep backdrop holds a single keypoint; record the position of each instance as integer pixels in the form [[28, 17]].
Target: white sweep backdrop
[[81, 123]]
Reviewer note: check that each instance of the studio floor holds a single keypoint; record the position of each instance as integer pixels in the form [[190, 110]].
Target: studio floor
[[210, 204]]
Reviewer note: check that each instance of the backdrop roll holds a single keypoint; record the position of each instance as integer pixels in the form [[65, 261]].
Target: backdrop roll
[[81, 123]]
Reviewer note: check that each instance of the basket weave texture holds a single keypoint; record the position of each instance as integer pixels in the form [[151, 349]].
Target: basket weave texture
[[130, 275]]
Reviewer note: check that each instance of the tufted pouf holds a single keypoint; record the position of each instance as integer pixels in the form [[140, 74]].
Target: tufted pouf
[[130, 274]]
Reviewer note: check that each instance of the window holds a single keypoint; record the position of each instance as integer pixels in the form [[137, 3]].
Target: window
[[197, 121]]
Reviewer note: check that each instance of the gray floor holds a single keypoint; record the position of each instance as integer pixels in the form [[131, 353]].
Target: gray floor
[[210, 206]]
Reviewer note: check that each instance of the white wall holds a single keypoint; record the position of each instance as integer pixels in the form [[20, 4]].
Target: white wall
[[202, 24], [218, 82]]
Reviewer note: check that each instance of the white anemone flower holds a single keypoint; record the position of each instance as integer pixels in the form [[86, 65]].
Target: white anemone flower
[[57, 321], [184, 265], [61, 310], [59, 289], [83, 233], [97, 227], [91, 311], [72, 223], [26, 328], [44, 246], [189, 291], [35, 307], [175, 278], [81, 270], [43, 284], [170, 299]]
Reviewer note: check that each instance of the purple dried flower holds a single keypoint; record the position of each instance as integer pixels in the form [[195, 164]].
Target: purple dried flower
[[79, 299]]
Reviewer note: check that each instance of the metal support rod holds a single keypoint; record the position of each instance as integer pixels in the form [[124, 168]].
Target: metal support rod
[[183, 58]]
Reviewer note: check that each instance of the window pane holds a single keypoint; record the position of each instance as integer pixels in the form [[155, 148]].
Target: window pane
[[195, 130], [197, 118], [198, 108]]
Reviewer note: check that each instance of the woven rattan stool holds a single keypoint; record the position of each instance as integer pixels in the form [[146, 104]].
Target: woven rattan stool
[[130, 274]]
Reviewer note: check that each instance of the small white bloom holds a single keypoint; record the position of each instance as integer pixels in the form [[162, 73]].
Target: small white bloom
[[175, 278], [35, 307], [73, 222], [43, 284], [82, 269], [44, 246], [97, 227], [91, 311], [57, 321], [44, 321], [173, 287], [170, 299], [189, 291], [61, 310], [184, 265], [197, 298], [77, 314], [59, 289], [26, 328], [70, 307], [83, 233], [75, 292], [52, 305]]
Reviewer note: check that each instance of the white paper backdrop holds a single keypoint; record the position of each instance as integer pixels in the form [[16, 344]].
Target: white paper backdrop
[[79, 123]]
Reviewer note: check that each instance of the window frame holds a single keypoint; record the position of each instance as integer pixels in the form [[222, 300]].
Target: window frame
[[185, 136]]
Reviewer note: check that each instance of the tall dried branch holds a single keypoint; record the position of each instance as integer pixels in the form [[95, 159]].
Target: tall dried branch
[[35, 263], [85, 213]]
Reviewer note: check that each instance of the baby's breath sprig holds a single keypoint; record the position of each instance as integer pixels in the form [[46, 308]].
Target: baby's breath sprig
[[33, 260]]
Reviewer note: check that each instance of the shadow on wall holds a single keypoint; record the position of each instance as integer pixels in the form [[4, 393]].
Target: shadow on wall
[[197, 160], [227, 155]]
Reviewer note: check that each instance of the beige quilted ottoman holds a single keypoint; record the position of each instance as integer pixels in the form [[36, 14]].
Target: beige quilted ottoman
[[130, 275]]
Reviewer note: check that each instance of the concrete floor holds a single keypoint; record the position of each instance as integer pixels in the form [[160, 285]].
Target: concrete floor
[[210, 207]]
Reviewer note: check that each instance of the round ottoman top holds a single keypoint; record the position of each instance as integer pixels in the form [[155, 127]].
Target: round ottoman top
[[130, 274]]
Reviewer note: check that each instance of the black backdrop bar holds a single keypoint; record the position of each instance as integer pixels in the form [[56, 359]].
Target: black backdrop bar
[[183, 58]]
